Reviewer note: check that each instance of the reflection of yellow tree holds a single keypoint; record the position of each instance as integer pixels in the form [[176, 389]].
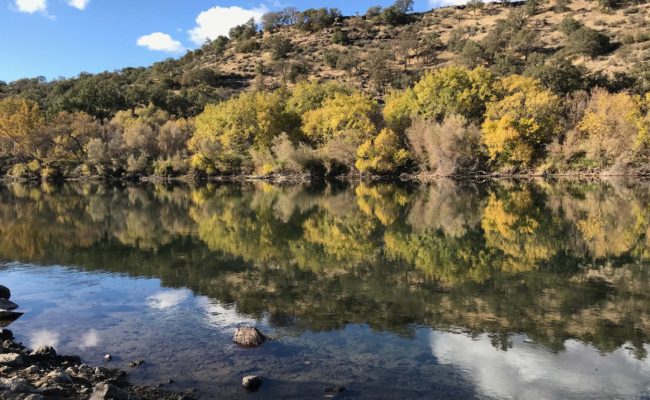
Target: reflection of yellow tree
[[347, 240], [610, 218], [383, 202], [517, 223], [440, 257]]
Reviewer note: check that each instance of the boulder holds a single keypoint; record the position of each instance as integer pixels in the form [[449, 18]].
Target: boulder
[[5, 293], [17, 385], [106, 391], [6, 334], [249, 336], [7, 305], [12, 359], [44, 352], [59, 377], [251, 382]]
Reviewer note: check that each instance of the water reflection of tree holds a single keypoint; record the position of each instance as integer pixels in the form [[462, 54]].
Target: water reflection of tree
[[553, 260]]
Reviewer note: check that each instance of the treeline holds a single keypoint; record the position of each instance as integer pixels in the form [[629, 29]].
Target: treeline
[[454, 121]]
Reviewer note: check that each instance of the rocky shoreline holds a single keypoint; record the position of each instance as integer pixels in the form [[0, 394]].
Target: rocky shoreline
[[43, 374]]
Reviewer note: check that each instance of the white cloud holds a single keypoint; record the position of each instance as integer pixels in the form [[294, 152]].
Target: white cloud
[[159, 41], [44, 337], [79, 4], [530, 371], [90, 339], [31, 6], [168, 299], [217, 21]]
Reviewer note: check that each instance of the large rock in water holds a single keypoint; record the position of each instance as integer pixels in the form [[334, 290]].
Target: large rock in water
[[251, 382], [5, 293], [249, 336], [6, 305]]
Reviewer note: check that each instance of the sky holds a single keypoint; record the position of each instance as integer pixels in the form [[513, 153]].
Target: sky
[[62, 38]]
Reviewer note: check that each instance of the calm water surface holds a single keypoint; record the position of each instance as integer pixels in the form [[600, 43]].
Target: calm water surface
[[524, 290]]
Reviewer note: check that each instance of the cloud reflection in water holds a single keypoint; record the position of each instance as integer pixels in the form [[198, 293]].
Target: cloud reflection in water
[[526, 371]]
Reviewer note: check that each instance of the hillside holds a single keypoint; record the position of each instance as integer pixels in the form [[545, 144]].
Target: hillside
[[507, 88], [429, 40], [373, 54]]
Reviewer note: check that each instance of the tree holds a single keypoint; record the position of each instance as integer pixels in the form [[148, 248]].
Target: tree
[[313, 20], [380, 70], [404, 6], [310, 95], [430, 44], [70, 135], [271, 21], [520, 123], [399, 108], [584, 40], [226, 131], [382, 154], [454, 90], [559, 75], [588, 42], [475, 5], [243, 32], [21, 122], [354, 116], [610, 127], [279, 46]]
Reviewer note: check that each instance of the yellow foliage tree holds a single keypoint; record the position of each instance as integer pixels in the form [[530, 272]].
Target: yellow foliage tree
[[610, 127], [382, 154], [225, 131], [310, 95], [450, 90], [353, 116], [400, 107], [20, 129], [521, 122], [454, 90]]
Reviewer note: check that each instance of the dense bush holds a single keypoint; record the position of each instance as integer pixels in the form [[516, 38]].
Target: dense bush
[[450, 147]]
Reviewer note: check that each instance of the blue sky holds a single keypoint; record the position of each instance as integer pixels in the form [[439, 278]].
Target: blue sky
[[61, 38]]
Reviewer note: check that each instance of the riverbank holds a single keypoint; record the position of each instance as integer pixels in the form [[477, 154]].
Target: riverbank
[[307, 178], [43, 374]]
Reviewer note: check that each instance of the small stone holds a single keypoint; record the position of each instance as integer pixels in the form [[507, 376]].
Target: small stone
[[108, 358], [249, 336], [34, 397], [135, 364], [334, 391], [5, 293], [251, 382], [7, 305], [105, 391]]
